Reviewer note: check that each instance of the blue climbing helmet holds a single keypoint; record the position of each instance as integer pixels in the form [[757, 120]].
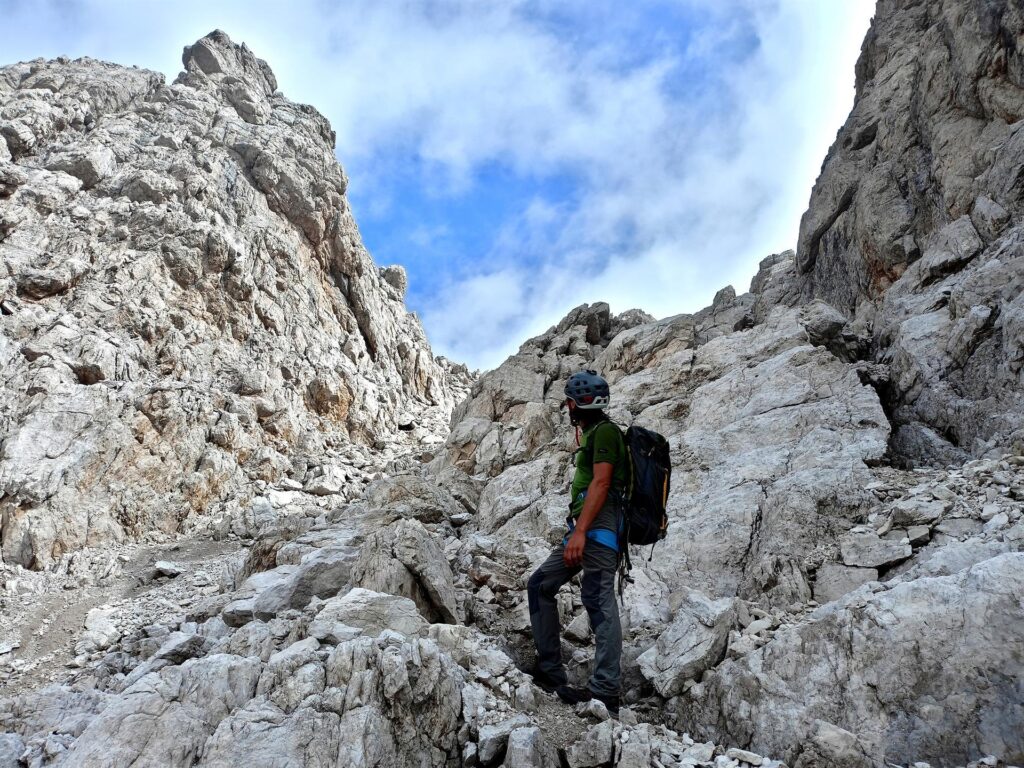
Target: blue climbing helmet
[[588, 390]]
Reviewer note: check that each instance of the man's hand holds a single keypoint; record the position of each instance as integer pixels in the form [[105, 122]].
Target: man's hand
[[573, 553]]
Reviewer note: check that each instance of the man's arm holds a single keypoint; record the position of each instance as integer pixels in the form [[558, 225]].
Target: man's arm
[[597, 493]]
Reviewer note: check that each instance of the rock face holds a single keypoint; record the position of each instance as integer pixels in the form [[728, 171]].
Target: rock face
[[186, 307], [816, 599], [875, 664], [692, 643], [913, 225], [769, 436]]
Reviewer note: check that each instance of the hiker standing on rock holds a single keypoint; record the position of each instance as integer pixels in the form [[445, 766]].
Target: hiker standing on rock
[[591, 545]]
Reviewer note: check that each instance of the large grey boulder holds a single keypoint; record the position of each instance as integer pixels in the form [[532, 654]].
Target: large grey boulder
[[527, 748], [832, 580], [868, 550], [692, 643], [874, 664], [262, 734], [321, 573], [167, 716], [368, 612], [595, 748], [403, 559]]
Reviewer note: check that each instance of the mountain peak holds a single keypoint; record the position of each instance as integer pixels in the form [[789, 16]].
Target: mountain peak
[[217, 57]]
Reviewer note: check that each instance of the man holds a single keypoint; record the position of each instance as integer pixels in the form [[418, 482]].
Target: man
[[592, 545]]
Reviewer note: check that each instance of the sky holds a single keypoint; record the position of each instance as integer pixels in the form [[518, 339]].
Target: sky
[[522, 157]]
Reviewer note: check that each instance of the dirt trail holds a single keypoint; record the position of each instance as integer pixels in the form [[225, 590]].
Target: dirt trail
[[47, 625]]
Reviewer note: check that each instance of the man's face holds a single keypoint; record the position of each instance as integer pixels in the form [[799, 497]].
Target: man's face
[[571, 405]]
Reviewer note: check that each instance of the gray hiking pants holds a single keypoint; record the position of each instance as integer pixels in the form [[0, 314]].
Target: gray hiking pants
[[599, 565]]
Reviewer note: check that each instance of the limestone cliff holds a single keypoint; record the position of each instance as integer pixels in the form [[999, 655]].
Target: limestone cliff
[[186, 307], [913, 227], [816, 601]]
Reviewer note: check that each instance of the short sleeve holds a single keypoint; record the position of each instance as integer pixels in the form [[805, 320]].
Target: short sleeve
[[607, 444]]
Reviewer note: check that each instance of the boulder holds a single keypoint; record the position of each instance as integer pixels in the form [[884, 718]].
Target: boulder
[[321, 573], [915, 511], [11, 749], [828, 744], [365, 611], [594, 748], [868, 550], [832, 581], [403, 559], [692, 643], [493, 739], [867, 661], [527, 748]]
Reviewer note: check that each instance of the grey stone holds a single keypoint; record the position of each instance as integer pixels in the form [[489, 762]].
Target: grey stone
[[918, 534], [594, 748], [366, 611], [579, 628], [494, 738], [867, 550], [404, 559], [321, 573], [989, 511], [594, 708], [821, 321], [967, 623], [329, 482], [751, 758], [180, 646], [91, 165], [166, 569], [693, 642], [100, 629], [917, 511], [833, 581], [958, 527], [238, 612], [527, 748], [831, 745], [634, 754], [989, 217], [11, 749]]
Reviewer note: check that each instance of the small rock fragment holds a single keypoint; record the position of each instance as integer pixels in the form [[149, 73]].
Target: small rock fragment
[[744, 756]]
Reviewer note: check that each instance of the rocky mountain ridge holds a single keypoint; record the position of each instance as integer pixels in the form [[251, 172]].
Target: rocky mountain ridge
[[911, 228], [186, 308], [843, 580]]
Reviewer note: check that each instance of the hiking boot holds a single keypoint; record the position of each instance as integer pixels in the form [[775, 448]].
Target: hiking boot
[[543, 680], [571, 695]]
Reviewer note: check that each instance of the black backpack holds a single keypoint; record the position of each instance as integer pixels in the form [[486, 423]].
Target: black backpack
[[649, 484], [650, 473]]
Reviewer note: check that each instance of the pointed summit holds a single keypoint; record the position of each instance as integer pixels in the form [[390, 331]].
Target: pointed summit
[[218, 58]]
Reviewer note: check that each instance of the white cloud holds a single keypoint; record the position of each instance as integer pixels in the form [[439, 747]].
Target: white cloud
[[702, 199], [681, 188]]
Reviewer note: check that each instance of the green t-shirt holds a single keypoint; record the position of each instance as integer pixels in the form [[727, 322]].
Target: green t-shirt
[[609, 447]]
